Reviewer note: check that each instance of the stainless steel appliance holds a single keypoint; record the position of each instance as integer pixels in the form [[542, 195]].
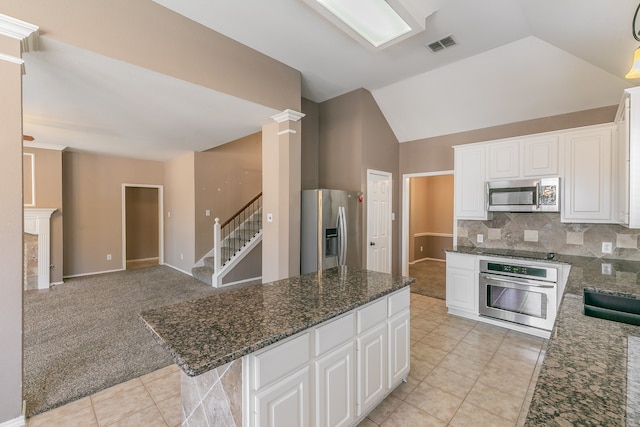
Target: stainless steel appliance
[[519, 292], [524, 195], [331, 229]]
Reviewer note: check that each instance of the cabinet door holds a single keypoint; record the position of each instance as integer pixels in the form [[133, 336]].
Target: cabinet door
[[587, 182], [540, 156], [469, 183], [285, 403], [399, 348], [372, 367], [504, 160], [335, 387], [462, 282]]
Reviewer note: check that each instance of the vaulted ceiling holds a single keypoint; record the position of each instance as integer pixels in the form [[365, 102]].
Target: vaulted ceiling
[[514, 60]]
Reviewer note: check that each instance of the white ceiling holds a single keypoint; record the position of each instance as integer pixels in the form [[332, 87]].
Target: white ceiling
[[515, 60]]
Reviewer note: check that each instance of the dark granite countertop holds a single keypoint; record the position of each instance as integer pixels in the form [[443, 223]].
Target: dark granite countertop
[[206, 333], [583, 380]]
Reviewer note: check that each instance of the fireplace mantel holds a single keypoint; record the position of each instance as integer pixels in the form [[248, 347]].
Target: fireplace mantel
[[38, 221]]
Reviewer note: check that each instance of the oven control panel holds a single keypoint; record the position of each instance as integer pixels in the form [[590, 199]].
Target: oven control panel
[[517, 269]]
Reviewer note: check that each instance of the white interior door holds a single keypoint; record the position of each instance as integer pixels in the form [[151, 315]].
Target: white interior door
[[379, 221]]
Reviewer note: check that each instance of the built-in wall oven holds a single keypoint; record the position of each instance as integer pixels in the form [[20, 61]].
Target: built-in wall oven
[[523, 293]]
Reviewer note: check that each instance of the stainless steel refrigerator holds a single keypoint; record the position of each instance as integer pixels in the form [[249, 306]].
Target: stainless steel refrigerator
[[331, 229]]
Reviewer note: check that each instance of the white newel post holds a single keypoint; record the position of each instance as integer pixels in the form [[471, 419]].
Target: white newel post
[[216, 247], [38, 221]]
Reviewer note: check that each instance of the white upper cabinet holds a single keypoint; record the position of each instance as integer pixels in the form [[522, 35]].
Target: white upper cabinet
[[469, 182], [540, 156], [503, 160], [628, 159], [527, 157], [588, 183]]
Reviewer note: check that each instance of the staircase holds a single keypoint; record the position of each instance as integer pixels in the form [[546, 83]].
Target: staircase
[[233, 239]]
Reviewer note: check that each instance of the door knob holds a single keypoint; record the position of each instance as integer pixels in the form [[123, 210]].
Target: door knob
[[372, 244]]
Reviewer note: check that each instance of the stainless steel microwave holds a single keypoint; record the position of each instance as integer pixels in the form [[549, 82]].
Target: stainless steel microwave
[[524, 195]]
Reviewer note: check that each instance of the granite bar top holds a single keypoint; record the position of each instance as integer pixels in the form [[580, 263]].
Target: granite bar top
[[583, 380], [206, 333]]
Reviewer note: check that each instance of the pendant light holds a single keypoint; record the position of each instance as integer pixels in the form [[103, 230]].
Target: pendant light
[[634, 72]]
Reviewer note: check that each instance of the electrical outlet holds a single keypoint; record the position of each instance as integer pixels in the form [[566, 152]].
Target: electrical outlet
[[269, 217], [480, 238], [108, 257], [181, 256], [606, 269], [421, 248], [207, 212], [607, 247]]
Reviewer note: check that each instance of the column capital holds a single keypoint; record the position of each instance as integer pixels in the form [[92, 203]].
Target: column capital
[[288, 115], [28, 34]]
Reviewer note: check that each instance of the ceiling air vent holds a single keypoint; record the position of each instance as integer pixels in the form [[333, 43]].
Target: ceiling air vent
[[442, 44]]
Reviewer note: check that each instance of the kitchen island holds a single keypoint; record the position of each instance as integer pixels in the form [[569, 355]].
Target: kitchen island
[[327, 346], [586, 378]]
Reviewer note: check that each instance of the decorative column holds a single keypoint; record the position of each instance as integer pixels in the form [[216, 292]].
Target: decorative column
[[38, 221], [15, 38], [281, 185]]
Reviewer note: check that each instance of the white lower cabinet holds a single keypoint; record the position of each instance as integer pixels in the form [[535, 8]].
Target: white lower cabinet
[[333, 374], [462, 282], [285, 403], [372, 367], [399, 334], [335, 387]]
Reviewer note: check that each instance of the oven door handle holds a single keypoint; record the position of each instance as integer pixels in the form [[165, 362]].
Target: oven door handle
[[517, 282]]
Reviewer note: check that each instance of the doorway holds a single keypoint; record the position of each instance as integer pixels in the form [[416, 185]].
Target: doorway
[[427, 230], [142, 226]]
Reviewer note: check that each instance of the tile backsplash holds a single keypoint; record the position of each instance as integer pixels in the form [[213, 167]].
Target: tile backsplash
[[543, 232]]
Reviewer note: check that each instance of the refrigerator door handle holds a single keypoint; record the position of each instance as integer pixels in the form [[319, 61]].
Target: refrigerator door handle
[[342, 236]]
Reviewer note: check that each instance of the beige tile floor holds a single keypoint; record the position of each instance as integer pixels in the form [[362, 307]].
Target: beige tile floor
[[463, 373]]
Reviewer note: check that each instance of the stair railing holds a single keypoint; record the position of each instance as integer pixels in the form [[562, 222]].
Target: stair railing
[[239, 229]]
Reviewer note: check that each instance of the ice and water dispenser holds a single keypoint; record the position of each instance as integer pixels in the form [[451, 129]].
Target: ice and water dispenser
[[331, 242]]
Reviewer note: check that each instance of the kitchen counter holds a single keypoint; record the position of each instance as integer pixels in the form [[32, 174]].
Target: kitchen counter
[[583, 380], [203, 334], [584, 377]]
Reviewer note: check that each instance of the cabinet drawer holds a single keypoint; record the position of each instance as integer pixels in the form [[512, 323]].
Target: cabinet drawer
[[281, 360], [335, 333], [372, 315], [399, 301], [465, 262]]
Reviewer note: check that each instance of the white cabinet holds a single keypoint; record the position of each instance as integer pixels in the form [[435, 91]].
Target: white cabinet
[[280, 384], [462, 283], [469, 183], [540, 156], [503, 160], [335, 387], [628, 159], [285, 403], [372, 367], [332, 374], [399, 356], [587, 175], [526, 157]]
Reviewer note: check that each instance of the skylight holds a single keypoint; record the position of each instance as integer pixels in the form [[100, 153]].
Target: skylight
[[376, 24], [374, 20]]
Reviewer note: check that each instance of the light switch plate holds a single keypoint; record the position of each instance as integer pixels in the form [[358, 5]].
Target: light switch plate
[[269, 217], [607, 247], [480, 238], [606, 269]]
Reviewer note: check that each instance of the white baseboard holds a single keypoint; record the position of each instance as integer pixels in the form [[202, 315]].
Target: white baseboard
[[144, 259], [427, 259], [240, 281], [16, 422], [188, 273], [91, 274]]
